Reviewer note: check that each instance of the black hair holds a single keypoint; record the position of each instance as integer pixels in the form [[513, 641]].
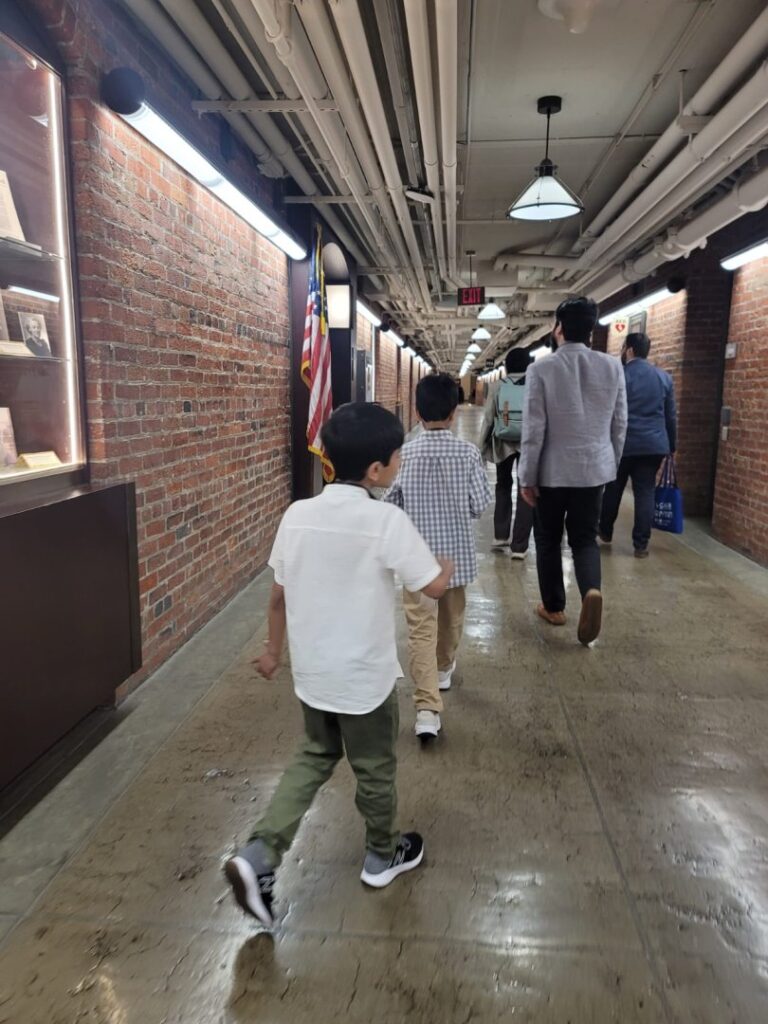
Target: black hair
[[437, 395], [517, 360], [359, 434], [639, 343], [577, 317]]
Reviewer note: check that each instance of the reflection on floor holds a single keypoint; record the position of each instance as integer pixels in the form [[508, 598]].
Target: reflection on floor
[[596, 825]]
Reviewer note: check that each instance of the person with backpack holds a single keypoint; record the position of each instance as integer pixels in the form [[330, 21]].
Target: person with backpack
[[500, 443]]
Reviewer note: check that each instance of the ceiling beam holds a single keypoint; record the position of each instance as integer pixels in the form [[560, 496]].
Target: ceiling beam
[[254, 106]]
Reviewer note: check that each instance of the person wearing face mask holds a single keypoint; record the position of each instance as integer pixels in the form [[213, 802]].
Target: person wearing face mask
[[651, 435]]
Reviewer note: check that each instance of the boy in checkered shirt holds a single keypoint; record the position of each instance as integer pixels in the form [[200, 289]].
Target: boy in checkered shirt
[[443, 486]]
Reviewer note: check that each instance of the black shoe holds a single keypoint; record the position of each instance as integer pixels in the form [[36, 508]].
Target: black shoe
[[604, 538], [641, 552], [253, 892], [379, 872]]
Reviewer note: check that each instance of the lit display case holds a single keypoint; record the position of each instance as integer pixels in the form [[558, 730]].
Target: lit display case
[[41, 429]]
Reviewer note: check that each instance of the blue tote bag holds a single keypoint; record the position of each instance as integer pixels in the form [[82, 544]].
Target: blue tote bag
[[668, 512]]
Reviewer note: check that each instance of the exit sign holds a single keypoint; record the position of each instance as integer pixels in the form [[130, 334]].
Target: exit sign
[[472, 296]]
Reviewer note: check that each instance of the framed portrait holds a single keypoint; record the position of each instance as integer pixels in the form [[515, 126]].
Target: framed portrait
[[8, 453], [35, 333]]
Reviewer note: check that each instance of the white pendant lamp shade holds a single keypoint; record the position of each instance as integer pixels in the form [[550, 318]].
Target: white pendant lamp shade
[[481, 334], [474, 347], [546, 198], [491, 312]]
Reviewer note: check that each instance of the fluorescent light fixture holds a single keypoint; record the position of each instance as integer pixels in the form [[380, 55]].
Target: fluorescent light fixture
[[637, 306], [368, 314], [396, 338], [408, 351], [481, 334], [35, 295], [755, 252], [474, 347], [157, 131], [491, 312]]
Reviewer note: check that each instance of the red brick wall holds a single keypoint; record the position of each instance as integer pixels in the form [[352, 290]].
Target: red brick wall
[[386, 372], [185, 331], [741, 492]]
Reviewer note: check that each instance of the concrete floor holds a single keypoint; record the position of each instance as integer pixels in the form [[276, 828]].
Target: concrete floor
[[596, 825]]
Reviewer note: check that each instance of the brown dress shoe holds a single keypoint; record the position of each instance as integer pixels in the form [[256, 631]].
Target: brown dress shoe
[[553, 618], [591, 617]]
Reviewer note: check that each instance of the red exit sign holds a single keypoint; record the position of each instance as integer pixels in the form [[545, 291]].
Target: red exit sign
[[472, 296]]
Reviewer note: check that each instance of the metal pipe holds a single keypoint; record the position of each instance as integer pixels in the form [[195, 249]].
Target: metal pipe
[[352, 34], [418, 38], [749, 49], [446, 18]]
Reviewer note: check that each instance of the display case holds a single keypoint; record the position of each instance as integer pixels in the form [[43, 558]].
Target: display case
[[41, 429]]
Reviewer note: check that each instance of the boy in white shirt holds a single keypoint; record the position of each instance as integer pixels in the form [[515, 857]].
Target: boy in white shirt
[[334, 559]]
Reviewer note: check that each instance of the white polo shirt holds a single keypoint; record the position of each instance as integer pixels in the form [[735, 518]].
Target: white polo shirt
[[336, 556]]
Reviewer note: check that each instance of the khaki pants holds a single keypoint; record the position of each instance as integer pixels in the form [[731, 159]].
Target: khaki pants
[[434, 634]]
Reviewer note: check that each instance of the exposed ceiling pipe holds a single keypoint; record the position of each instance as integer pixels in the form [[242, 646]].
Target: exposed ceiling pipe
[[505, 260], [322, 40], [394, 54], [738, 125], [162, 29], [418, 38], [727, 158], [747, 51], [447, 24], [352, 34]]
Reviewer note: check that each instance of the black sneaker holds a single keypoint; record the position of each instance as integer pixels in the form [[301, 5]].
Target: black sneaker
[[379, 872], [253, 892]]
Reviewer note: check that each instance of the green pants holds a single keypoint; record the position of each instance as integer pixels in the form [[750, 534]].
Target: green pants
[[369, 741]]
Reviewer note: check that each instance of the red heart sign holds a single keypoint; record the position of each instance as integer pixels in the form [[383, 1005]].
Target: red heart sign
[[620, 325]]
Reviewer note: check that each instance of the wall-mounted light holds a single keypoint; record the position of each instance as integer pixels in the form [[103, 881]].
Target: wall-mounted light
[[546, 198], [739, 259], [481, 334], [491, 312], [408, 351], [339, 301], [369, 315], [638, 306], [397, 339], [123, 91]]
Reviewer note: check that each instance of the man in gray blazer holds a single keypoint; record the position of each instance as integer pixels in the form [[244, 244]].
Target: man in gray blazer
[[574, 425]]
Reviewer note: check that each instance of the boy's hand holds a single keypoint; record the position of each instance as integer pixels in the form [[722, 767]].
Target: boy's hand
[[446, 565], [267, 664]]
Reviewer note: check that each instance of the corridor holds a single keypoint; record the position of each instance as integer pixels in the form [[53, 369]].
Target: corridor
[[596, 823]]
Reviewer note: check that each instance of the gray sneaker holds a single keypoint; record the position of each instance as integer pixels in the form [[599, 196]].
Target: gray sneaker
[[379, 872], [252, 881]]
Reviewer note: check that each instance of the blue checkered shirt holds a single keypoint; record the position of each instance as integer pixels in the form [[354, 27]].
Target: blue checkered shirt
[[443, 486]]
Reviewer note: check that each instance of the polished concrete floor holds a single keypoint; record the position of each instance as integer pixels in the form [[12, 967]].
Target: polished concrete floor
[[596, 825]]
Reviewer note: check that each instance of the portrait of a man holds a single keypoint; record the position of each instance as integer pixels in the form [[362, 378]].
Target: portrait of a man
[[35, 333]]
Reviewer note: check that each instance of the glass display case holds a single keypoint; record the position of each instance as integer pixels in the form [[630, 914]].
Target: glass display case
[[41, 429]]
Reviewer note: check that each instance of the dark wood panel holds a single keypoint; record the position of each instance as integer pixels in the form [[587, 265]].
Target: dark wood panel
[[69, 616]]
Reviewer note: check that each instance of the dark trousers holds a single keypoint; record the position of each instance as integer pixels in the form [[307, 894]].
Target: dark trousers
[[502, 513], [642, 470], [578, 509]]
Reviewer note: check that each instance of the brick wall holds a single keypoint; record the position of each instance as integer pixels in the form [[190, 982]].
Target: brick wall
[[386, 372], [741, 492], [185, 332]]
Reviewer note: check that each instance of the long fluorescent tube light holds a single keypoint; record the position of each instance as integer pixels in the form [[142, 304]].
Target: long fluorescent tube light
[[755, 252], [369, 315], [396, 338], [35, 295], [637, 306], [157, 131], [409, 352]]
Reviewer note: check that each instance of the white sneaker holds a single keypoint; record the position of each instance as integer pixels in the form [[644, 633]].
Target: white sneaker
[[497, 544], [444, 678], [427, 723], [519, 554]]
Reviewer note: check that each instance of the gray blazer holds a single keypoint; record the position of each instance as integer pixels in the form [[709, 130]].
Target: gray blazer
[[574, 419]]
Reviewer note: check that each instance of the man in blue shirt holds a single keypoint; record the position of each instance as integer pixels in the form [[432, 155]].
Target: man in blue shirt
[[651, 435]]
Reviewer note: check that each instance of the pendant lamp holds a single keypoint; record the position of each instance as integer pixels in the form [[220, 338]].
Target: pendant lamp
[[491, 312], [546, 198], [474, 347], [481, 334]]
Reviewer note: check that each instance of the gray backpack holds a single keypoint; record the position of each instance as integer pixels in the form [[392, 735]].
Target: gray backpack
[[508, 425]]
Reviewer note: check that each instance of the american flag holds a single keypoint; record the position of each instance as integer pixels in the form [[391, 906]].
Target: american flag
[[316, 359]]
